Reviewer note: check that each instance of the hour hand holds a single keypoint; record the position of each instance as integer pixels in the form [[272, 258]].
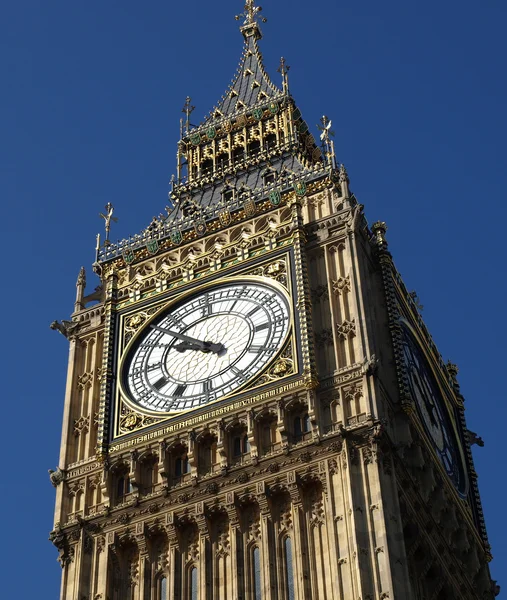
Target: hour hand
[[190, 343], [205, 347]]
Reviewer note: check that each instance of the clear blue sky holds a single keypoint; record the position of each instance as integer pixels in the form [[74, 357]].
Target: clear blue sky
[[91, 100]]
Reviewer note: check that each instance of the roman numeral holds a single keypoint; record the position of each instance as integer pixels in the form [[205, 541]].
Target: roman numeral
[[253, 311], [158, 385], [207, 387], [261, 327], [179, 391]]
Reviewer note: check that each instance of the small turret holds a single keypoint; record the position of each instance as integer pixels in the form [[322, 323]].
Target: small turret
[[80, 289]]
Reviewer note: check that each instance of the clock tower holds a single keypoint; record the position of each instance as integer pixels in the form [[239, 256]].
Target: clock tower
[[255, 408]]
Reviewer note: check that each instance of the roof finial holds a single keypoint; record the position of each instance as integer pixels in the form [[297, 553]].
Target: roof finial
[[108, 217], [188, 109], [284, 69], [325, 137], [251, 14]]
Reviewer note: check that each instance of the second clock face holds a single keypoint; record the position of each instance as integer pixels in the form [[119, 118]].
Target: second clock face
[[207, 346], [431, 408]]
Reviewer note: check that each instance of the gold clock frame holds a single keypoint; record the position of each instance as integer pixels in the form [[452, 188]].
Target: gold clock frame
[[135, 418]]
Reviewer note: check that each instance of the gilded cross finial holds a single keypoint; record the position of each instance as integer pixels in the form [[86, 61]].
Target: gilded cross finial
[[108, 217], [284, 69], [188, 109], [251, 14], [325, 136]]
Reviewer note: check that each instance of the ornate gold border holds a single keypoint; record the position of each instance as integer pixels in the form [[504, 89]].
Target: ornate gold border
[[141, 419]]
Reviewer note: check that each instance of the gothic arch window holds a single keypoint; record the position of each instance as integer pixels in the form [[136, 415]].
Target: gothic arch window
[[289, 569], [256, 574]]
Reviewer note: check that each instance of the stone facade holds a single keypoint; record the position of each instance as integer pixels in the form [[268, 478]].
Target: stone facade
[[318, 479]]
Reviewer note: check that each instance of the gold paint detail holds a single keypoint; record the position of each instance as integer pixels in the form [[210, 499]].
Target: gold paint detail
[[132, 421]]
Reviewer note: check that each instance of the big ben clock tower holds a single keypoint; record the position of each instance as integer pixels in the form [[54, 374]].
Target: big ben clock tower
[[254, 407]]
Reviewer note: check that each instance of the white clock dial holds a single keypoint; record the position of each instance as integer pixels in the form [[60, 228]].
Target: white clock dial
[[207, 346]]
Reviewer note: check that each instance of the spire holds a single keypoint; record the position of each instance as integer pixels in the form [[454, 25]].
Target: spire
[[251, 84], [80, 289]]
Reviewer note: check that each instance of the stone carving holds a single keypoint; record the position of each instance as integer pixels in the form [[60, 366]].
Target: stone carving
[[85, 380], [66, 328], [346, 329], [56, 477], [81, 425], [341, 285]]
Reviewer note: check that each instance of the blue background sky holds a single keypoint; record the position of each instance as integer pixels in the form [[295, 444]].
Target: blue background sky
[[90, 101]]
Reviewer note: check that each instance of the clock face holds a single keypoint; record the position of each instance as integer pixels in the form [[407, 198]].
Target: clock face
[[206, 346], [432, 410]]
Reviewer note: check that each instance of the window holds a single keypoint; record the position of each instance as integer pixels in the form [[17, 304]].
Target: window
[[228, 195], [222, 161], [257, 574], [238, 154], [162, 587], [181, 466], [240, 445], [254, 148], [207, 167], [123, 488], [301, 425], [269, 177], [270, 141], [289, 570], [193, 584]]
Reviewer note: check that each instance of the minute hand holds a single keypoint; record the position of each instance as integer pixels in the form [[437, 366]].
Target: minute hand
[[199, 344]]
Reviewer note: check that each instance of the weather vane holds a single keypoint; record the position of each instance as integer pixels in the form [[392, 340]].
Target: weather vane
[[108, 217], [251, 14]]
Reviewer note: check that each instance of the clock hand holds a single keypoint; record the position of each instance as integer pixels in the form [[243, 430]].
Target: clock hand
[[190, 343]]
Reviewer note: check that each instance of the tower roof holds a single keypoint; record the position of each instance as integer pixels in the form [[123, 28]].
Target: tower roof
[[251, 84]]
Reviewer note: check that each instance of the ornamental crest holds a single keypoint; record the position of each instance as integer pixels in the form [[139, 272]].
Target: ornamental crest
[[211, 133], [152, 246], [275, 197], [128, 256], [258, 113], [176, 236], [241, 121], [249, 207], [273, 108], [300, 188], [227, 126], [200, 226], [224, 216], [195, 139]]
